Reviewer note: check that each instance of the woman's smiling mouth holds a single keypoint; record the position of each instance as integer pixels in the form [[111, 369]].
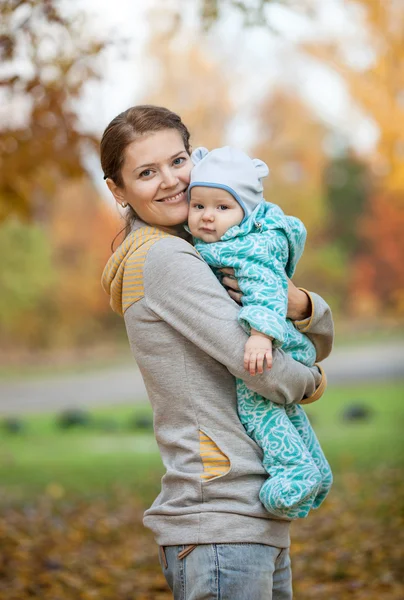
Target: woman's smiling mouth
[[172, 199]]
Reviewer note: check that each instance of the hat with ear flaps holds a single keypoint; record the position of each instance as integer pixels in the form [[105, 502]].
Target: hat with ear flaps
[[231, 170]]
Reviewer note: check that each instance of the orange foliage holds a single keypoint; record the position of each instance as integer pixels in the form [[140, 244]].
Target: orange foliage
[[41, 140], [191, 83], [352, 549], [378, 276], [81, 228], [378, 87], [292, 145]]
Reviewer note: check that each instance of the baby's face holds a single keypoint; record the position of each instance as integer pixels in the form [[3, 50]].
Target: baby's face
[[212, 211]]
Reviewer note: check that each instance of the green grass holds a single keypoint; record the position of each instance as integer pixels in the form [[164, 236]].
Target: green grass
[[46, 458], [367, 444], [92, 460]]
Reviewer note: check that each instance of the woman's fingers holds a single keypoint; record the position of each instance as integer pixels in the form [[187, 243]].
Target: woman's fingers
[[227, 270], [230, 283], [235, 295]]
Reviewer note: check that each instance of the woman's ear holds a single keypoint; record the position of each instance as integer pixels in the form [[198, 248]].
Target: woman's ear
[[198, 154], [117, 192], [261, 167]]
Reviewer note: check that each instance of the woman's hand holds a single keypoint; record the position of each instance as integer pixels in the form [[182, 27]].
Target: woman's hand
[[299, 304], [232, 284]]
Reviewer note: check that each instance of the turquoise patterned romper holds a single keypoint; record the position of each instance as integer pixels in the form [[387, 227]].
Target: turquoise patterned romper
[[262, 251]]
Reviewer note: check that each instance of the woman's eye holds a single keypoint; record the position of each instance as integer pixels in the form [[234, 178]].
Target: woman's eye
[[178, 161], [145, 173]]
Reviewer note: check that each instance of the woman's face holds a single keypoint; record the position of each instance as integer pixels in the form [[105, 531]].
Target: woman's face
[[156, 173]]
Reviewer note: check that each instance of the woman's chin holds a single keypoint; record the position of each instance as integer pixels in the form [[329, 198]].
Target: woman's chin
[[177, 215]]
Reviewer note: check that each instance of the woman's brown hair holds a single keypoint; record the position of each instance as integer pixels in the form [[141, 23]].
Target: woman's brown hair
[[123, 130]]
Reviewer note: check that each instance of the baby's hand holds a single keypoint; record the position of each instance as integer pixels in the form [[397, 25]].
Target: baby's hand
[[257, 349]]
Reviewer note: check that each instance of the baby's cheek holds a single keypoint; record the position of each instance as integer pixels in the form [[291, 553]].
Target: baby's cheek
[[191, 221]]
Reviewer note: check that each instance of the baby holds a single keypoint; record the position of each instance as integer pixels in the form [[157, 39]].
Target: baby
[[233, 226]]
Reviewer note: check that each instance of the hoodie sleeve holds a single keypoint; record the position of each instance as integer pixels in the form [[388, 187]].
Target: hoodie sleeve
[[181, 290], [319, 327]]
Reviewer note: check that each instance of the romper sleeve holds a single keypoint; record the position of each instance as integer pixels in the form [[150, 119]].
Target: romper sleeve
[[265, 299], [265, 289]]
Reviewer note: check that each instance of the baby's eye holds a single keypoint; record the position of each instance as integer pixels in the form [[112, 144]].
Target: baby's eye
[[198, 206], [179, 160], [223, 207]]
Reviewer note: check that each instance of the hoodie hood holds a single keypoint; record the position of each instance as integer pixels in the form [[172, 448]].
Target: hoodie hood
[[122, 278], [231, 170]]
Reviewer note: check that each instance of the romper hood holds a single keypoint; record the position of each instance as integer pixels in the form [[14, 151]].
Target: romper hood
[[231, 170], [122, 278]]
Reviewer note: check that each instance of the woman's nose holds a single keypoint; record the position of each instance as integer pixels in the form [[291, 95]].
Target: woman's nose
[[169, 179]]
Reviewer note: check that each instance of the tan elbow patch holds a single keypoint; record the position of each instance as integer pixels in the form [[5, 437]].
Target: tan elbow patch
[[319, 391], [215, 462]]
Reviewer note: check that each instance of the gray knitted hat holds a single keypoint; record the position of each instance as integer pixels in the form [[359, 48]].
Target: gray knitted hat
[[231, 170]]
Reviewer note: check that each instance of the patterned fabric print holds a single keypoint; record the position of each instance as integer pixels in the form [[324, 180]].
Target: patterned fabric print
[[215, 463], [262, 251], [299, 419], [295, 480]]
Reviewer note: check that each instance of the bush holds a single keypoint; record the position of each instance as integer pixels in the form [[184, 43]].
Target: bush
[[142, 422], [74, 417], [13, 425]]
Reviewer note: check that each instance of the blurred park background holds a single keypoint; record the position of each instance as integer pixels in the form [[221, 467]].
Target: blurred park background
[[316, 89]]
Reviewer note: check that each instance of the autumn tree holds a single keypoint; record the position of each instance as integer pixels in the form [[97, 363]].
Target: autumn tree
[[50, 282], [81, 228], [292, 144], [370, 60], [348, 185], [378, 275], [27, 275], [375, 85], [46, 61], [253, 12], [377, 88], [191, 81]]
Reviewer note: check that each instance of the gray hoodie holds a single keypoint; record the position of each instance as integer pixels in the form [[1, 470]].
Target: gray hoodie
[[183, 331]]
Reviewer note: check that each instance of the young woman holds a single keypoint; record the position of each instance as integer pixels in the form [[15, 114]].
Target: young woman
[[216, 539]]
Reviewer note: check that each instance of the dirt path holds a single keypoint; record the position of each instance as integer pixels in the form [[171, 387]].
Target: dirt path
[[124, 384]]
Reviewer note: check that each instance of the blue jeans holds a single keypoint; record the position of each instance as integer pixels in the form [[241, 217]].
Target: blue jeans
[[227, 572]]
